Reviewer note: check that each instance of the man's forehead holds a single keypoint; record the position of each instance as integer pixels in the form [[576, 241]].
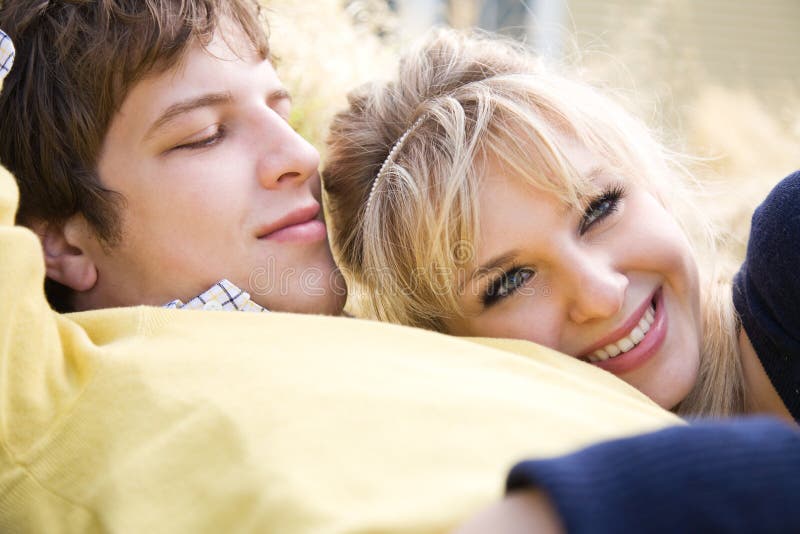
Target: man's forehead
[[225, 45], [206, 73], [208, 67], [229, 42]]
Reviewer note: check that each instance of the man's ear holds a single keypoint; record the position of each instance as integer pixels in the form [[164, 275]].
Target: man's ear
[[66, 256]]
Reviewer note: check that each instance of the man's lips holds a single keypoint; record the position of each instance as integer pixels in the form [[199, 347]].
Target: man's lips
[[622, 330], [300, 224]]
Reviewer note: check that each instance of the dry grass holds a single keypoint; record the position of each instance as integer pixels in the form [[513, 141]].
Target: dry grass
[[751, 148]]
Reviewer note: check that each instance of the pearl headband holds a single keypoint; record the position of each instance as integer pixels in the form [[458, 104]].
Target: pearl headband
[[390, 159]]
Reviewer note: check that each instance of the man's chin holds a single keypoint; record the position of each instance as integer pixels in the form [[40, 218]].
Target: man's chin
[[317, 295], [299, 281]]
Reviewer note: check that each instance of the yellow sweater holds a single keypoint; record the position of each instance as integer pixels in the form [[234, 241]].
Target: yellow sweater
[[144, 420]]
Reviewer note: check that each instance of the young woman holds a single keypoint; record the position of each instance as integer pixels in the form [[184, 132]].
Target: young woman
[[481, 194]]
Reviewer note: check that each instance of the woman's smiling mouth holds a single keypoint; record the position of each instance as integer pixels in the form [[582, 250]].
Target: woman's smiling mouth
[[612, 350], [635, 341]]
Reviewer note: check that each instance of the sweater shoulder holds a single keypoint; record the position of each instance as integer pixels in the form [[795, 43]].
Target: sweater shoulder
[[776, 222], [767, 288]]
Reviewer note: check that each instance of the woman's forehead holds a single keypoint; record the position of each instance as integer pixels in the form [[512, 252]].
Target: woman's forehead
[[561, 165]]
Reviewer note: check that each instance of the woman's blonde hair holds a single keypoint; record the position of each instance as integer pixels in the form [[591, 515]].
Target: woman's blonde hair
[[405, 164]]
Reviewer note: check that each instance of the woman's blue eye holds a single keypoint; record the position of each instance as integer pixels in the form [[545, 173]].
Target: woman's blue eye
[[601, 207], [507, 284]]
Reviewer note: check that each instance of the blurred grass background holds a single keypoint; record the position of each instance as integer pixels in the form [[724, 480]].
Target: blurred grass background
[[717, 78]]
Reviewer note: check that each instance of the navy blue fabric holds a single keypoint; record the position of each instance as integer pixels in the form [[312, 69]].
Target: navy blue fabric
[[766, 291], [734, 477]]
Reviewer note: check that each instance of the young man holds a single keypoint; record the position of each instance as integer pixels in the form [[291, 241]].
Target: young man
[[160, 159]]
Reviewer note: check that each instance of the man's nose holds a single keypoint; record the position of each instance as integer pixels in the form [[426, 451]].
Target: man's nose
[[597, 288], [285, 156]]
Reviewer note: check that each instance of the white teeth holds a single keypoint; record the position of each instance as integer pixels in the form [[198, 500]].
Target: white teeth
[[599, 356], [644, 325], [627, 343], [637, 334]]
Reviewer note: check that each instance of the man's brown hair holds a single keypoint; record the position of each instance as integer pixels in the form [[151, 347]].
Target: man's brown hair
[[76, 61]]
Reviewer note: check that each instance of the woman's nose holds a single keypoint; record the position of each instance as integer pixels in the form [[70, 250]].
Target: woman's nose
[[598, 290]]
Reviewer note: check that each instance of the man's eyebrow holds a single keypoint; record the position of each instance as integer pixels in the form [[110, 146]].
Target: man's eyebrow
[[175, 110], [278, 94], [493, 264]]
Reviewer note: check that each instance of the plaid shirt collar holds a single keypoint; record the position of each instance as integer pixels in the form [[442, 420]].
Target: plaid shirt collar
[[222, 296], [6, 55]]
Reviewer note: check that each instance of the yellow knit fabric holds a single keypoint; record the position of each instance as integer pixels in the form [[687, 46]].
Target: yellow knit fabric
[[145, 420]]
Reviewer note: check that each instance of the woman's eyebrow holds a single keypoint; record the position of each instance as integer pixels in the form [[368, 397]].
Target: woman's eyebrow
[[185, 106], [493, 264], [597, 172], [593, 175]]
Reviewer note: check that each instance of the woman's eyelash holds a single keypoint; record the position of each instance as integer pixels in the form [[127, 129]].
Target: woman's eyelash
[[202, 143], [506, 284], [602, 206]]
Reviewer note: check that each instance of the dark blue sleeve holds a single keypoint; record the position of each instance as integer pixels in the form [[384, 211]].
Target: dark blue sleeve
[[766, 290], [735, 476]]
